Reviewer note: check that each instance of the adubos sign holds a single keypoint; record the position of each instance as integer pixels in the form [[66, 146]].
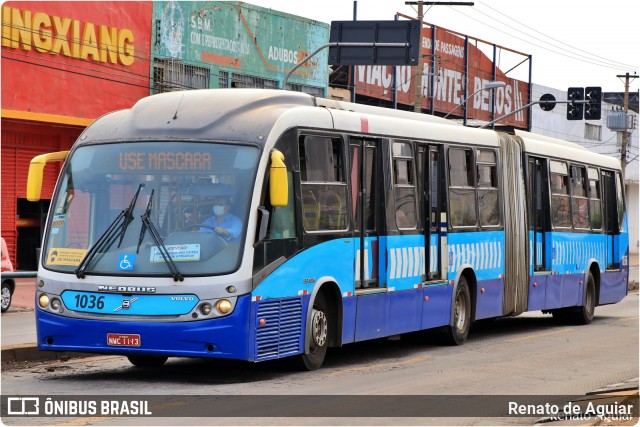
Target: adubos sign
[[240, 37]]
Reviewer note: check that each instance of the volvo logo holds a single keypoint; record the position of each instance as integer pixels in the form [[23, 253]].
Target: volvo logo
[[126, 304]]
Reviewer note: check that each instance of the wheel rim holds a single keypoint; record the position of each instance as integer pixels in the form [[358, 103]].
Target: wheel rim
[[6, 298], [319, 328], [461, 311]]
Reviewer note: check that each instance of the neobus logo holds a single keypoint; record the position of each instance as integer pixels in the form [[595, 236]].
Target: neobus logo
[[139, 289]]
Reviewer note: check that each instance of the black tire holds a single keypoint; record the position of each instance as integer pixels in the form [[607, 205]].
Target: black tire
[[318, 332], [582, 315], [6, 296], [145, 361], [457, 332]]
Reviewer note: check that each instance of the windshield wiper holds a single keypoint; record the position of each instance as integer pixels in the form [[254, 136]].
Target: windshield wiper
[[106, 239], [157, 239]]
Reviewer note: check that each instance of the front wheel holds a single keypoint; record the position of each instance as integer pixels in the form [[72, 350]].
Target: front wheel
[[457, 332], [6, 297], [318, 332], [145, 361]]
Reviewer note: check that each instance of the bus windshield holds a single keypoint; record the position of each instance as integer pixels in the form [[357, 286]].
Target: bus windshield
[[151, 209]]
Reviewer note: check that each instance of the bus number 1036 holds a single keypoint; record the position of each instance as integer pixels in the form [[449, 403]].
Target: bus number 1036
[[89, 301]]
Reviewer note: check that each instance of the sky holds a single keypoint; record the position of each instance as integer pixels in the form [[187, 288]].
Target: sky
[[572, 43]]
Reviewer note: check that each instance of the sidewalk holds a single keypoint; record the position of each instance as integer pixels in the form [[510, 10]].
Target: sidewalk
[[19, 337]]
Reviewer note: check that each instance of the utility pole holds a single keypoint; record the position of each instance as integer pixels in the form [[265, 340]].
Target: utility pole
[[419, 68], [625, 133], [417, 107]]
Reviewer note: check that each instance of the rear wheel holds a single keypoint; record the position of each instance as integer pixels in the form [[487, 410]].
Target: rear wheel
[[145, 361], [582, 315], [318, 332], [456, 334]]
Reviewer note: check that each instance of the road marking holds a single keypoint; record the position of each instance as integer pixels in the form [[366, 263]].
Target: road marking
[[83, 421], [545, 334], [380, 365], [627, 319]]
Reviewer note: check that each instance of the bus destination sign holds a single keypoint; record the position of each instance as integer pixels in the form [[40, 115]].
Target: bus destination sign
[[165, 160]]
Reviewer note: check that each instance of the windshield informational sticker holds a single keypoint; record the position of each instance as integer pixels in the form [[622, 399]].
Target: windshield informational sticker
[[65, 256], [177, 252], [126, 262]]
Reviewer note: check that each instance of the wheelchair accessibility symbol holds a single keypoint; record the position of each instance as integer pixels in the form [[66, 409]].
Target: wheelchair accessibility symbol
[[126, 262]]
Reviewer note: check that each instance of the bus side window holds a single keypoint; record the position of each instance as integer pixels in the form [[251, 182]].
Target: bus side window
[[560, 209], [620, 201], [462, 192], [488, 203], [579, 201], [404, 185], [595, 203], [323, 184]]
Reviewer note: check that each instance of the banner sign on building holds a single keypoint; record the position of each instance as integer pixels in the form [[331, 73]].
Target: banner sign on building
[[238, 37], [447, 89]]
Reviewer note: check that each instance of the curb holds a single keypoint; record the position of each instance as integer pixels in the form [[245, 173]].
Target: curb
[[30, 352]]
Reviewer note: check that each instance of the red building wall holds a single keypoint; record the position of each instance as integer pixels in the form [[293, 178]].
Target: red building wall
[[63, 65]]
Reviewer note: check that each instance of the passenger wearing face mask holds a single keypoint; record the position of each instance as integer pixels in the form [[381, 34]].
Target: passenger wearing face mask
[[227, 225]]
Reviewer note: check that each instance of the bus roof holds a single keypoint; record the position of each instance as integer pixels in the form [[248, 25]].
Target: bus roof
[[250, 114], [221, 114], [553, 147]]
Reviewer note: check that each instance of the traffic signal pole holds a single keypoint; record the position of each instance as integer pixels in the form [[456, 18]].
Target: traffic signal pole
[[625, 134], [544, 102]]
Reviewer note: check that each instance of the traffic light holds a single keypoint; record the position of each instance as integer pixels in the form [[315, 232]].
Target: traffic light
[[575, 109], [593, 108]]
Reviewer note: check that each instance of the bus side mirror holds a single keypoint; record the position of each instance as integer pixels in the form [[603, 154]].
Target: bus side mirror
[[278, 185], [36, 169]]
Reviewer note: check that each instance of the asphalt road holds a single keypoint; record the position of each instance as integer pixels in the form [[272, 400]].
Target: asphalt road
[[526, 355]]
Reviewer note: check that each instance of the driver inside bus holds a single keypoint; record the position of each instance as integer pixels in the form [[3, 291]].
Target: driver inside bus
[[225, 224]]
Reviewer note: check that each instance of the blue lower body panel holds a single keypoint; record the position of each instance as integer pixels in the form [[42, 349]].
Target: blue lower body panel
[[218, 338], [489, 302], [613, 286]]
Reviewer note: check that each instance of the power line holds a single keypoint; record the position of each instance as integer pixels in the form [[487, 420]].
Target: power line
[[619, 64], [571, 55], [79, 73]]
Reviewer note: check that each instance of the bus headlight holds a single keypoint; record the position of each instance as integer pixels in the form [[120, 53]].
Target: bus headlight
[[43, 301], [223, 306], [55, 304]]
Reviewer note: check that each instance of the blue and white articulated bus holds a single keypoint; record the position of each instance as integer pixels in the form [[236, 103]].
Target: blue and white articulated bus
[[260, 224]]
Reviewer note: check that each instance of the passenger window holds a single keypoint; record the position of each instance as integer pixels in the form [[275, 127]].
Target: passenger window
[[462, 192], [579, 201], [488, 195], [620, 200], [560, 208], [404, 185], [595, 200], [323, 184]]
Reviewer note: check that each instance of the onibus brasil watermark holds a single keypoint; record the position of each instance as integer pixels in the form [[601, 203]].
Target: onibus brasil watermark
[[35, 406]]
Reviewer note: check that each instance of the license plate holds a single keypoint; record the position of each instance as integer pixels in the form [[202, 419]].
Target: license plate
[[123, 340]]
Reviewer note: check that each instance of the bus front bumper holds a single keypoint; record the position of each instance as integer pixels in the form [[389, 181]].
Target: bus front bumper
[[224, 337]]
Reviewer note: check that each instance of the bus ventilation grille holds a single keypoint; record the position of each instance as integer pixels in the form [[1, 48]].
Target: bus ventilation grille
[[281, 335]]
